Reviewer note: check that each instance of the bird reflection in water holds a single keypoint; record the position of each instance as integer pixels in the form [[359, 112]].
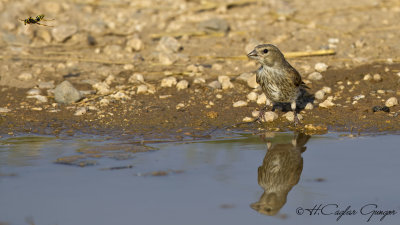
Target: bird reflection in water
[[279, 172]]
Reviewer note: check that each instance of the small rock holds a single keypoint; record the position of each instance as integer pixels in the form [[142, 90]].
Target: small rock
[[134, 44], [33, 91], [25, 76], [240, 104], [319, 94], [327, 103], [391, 102], [66, 93], [358, 97], [142, 89], [168, 82], [109, 79], [40, 98], [320, 67], [377, 77], [315, 76], [215, 84], [380, 108], [183, 84], [219, 96], [104, 102], [216, 66], [290, 116], [136, 78], [225, 82], [46, 85], [309, 106], [327, 90], [262, 100], [80, 111], [199, 80], [4, 110], [120, 96], [245, 76], [37, 108], [63, 31], [381, 91], [367, 77], [252, 96], [164, 96], [247, 119], [255, 113], [102, 88], [180, 106], [252, 82], [166, 58], [214, 25], [270, 116], [112, 50], [168, 45]]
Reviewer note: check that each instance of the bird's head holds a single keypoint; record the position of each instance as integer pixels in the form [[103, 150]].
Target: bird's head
[[267, 54]]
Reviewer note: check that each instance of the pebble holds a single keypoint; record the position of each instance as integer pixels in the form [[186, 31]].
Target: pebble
[[112, 50], [134, 44], [142, 89], [109, 79], [80, 111], [46, 85], [252, 82], [327, 90], [120, 96], [180, 106], [219, 96], [391, 102], [102, 88], [319, 94], [377, 77], [358, 97], [164, 96], [247, 119], [320, 67], [136, 78], [367, 77], [225, 82], [252, 96], [169, 44], [37, 108], [214, 25], [199, 80], [309, 106], [168, 82], [380, 108], [327, 103], [255, 113], [290, 116], [25, 76], [315, 76], [381, 91], [104, 102], [262, 99], [270, 116], [63, 31], [66, 93], [40, 98], [216, 66], [215, 84], [240, 103], [33, 91], [181, 85], [166, 58], [4, 110], [245, 76]]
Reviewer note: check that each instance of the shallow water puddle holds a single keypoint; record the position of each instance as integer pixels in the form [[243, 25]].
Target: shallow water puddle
[[302, 179]]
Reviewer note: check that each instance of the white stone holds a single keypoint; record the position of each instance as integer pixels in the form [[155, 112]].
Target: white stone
[[377, 77], [327, 90], [309, 106], [320, 67], [219, 96], [225, 82], [110, 78], [358, 97], [142, 89], [40, 98], [240, 103], [136, 78], [168, 82], [290, 116], [166, 58], [168, 45], [180, 105], [215, 84], [102, 88], [33, 91], [327, 103], [247, 119], [199, 80], [270, 116], [120, 96], [134, 44], [80, 111], [25, 76], [183, 84], [255, 113], [4, 110], [367, 77], [104, 102], [315, 76], [262, 99], [252, 82], [252, 96], [391, 102], [319, 94], [62, 32]]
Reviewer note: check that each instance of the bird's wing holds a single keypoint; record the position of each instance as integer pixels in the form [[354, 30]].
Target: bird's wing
[[296, 78]]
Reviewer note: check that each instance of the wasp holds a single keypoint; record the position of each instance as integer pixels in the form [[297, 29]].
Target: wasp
[[36, 20]]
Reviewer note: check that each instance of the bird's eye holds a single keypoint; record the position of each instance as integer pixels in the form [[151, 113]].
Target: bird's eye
[[265, 51]]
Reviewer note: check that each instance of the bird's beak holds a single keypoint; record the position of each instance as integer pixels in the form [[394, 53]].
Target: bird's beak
[[252, 54]]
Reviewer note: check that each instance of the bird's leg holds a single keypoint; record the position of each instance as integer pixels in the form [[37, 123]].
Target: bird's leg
[[262, 113], [296, 119]]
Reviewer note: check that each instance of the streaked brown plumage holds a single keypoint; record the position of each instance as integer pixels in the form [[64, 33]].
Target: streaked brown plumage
[[280, 82]]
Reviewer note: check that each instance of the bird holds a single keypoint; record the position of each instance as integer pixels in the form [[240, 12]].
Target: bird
[[279, 80]]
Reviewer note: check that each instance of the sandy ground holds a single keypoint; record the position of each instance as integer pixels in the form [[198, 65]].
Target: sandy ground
[[109, 41]]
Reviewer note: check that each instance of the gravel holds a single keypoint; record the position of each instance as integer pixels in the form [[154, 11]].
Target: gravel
[[66, 93]]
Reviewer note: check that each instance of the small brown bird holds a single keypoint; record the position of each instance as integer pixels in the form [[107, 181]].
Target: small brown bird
[[280, 82]]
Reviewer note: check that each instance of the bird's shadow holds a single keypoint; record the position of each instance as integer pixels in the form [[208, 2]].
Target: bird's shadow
[[301, 102]]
